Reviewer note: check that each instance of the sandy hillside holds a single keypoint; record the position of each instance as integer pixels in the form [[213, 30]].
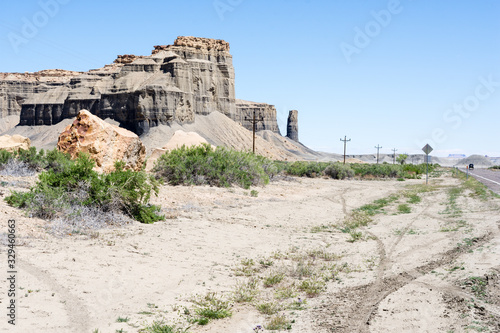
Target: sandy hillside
[[417, 271], [215, 128], [219, 130]]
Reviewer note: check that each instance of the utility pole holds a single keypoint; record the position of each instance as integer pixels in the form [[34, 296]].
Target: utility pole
[[394, 156], [378, 148], [254, 121], [345, 142]]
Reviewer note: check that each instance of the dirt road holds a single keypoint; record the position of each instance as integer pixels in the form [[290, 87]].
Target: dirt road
[[423, 259]]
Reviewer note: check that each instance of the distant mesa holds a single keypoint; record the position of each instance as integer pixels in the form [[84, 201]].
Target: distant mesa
[[477, 160], [194, 76]]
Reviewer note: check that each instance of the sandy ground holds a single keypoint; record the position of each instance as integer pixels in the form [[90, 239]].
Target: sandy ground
[[407, 274]]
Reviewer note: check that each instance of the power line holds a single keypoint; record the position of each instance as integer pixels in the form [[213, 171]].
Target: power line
[[254, 120], [394, 156], [378, 148], [345, 143]]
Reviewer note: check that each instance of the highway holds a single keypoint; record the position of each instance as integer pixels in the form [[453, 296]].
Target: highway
[[490, 178]]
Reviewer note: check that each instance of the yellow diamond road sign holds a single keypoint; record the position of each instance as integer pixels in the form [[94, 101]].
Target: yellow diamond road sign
[[427, 149]]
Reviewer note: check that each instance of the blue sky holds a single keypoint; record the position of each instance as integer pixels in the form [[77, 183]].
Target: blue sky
[[395, 73]]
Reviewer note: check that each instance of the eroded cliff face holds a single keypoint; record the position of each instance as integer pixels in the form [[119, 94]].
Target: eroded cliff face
[[16, 88], [266, 111], [193, 76]]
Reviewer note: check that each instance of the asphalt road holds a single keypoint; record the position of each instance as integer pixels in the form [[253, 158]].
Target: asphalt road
[[490, 178]]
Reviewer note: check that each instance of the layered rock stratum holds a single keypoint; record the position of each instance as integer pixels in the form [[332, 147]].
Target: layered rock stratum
[[194, 76]]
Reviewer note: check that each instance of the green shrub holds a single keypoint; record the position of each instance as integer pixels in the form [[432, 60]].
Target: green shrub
[[339, 171], [308, 169], [5, 156], [220, 167], [33, 160], [75, 184]]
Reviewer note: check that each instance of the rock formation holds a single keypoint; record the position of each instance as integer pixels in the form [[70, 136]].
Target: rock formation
[[292, 127], [16, 88], [104, 142], [268, 112], [14, 143], [193, 76]]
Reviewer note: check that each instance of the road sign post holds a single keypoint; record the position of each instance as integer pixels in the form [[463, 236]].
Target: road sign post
[[427, 150]]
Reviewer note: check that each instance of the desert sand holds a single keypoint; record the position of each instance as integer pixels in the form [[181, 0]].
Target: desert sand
[[406, 274]]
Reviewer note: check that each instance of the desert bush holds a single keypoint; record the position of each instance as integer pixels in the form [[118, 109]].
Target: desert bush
[[73, 184], [16, 168], [308, 169], [409, 171], [28, 162], [5, 156], [220, 167], [339, 171], [377, 170]]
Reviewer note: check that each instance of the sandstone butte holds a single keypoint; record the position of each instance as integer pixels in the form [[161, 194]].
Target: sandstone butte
[[194, 76], [104, 142]]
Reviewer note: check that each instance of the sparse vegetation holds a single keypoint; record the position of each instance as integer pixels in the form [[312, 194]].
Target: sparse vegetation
[[378, 205], [308, 169], [476, 188], [404, 209], [477, 285], [339, 170], [312, 287], [24, 163], [210, 307], [273, 278], [278, 322], [247, 291], [221, 167], [73, 188], [161, 327], [269, 308]]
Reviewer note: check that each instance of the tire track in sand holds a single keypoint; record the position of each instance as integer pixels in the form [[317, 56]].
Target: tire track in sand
[[352, 309], [78, 314]]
